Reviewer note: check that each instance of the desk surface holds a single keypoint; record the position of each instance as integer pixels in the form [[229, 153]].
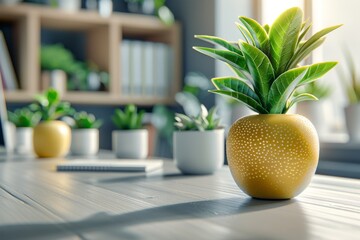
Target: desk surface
[[38, 202]]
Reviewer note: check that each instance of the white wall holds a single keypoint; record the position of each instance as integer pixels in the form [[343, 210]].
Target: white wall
[[332, 12], [226, 14]]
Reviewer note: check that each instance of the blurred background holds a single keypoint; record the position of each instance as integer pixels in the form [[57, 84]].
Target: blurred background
[[98, 52]]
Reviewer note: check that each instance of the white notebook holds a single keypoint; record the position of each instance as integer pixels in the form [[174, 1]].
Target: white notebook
[[115, 165]]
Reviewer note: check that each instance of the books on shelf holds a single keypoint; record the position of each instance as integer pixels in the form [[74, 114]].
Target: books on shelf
[[146, 69], [6, 68]]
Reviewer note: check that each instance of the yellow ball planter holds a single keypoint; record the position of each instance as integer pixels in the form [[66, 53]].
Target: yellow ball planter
[[52, 139], [273, 156]]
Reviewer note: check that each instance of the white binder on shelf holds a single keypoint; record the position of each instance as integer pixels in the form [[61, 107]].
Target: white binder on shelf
[[125, 67], [136, 68], [149, 74]]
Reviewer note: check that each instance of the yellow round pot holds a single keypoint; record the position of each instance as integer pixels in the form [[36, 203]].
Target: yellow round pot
[[272, 156], [52, 139]]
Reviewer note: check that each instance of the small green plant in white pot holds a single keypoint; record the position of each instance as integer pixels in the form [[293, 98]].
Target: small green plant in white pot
[[199, 142], [131, 138], [351, 83], [24, 120], [85, 134]]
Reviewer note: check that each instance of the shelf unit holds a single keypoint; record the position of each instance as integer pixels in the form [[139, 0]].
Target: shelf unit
[[103, 36]]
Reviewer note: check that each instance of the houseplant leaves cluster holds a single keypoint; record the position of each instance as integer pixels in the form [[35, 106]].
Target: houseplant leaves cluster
[[128, 119], [267, 63], [206, 120], [84, 120], [50, 106], [24, 117]]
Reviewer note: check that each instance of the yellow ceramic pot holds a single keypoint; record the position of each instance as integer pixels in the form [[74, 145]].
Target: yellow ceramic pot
[[52, 139], [272, 156]]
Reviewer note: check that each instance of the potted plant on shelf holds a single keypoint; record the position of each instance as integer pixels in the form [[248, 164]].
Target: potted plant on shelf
[[156, 7], [316, 111], [352, 110], [272, 155], [52, 137], [56, 62], [199, 142], [85, 134], [131, 139], [24, 120]]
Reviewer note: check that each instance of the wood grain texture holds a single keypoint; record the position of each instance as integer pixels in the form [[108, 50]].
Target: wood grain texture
[[38, 202]]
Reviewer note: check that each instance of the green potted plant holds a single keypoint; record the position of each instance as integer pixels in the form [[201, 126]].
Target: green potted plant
[[56, 62], [199, 142], [316, 111], [156, 7], [85, 134], [24, 120], [52, 137], [272, 155], [351, 83], [131, 138]]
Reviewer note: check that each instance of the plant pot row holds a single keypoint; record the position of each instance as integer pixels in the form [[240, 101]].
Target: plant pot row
[[55, 138]]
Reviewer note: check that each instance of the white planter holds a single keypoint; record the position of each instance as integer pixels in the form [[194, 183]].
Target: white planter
[[69, 5], [319, 113], [24, 140], [131, 144], [105, 8], [84, 142], [352, 117], [198, 152], [56, 79]]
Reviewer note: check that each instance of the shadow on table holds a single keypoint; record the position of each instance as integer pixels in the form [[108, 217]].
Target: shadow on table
[[251, 213]]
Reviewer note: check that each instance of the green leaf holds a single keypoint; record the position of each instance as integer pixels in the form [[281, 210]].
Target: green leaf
[[260, 68], [238, 72], [219, 41], [300, 98], [236, 85], [299, 56], [283, 87], [248, 101], [316, 71], [258, 33], [313, 42], [246, 34], [231, 58], [267, 28], [319, 35], [304, 32], [283, 37]]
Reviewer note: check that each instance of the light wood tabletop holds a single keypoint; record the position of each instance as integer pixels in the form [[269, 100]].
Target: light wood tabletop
[[36, 202]]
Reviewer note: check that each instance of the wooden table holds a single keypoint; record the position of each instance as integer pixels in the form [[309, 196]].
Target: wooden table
[[38, 202]]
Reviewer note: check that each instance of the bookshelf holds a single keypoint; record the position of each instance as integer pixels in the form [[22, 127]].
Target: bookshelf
[[103, 45]]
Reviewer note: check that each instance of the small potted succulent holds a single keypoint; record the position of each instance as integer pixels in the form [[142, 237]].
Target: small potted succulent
[[351, 85], [199, 142], [131, 139], [316, 111], [85, 134], [51, 137], [272, 155], [24, 120]]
